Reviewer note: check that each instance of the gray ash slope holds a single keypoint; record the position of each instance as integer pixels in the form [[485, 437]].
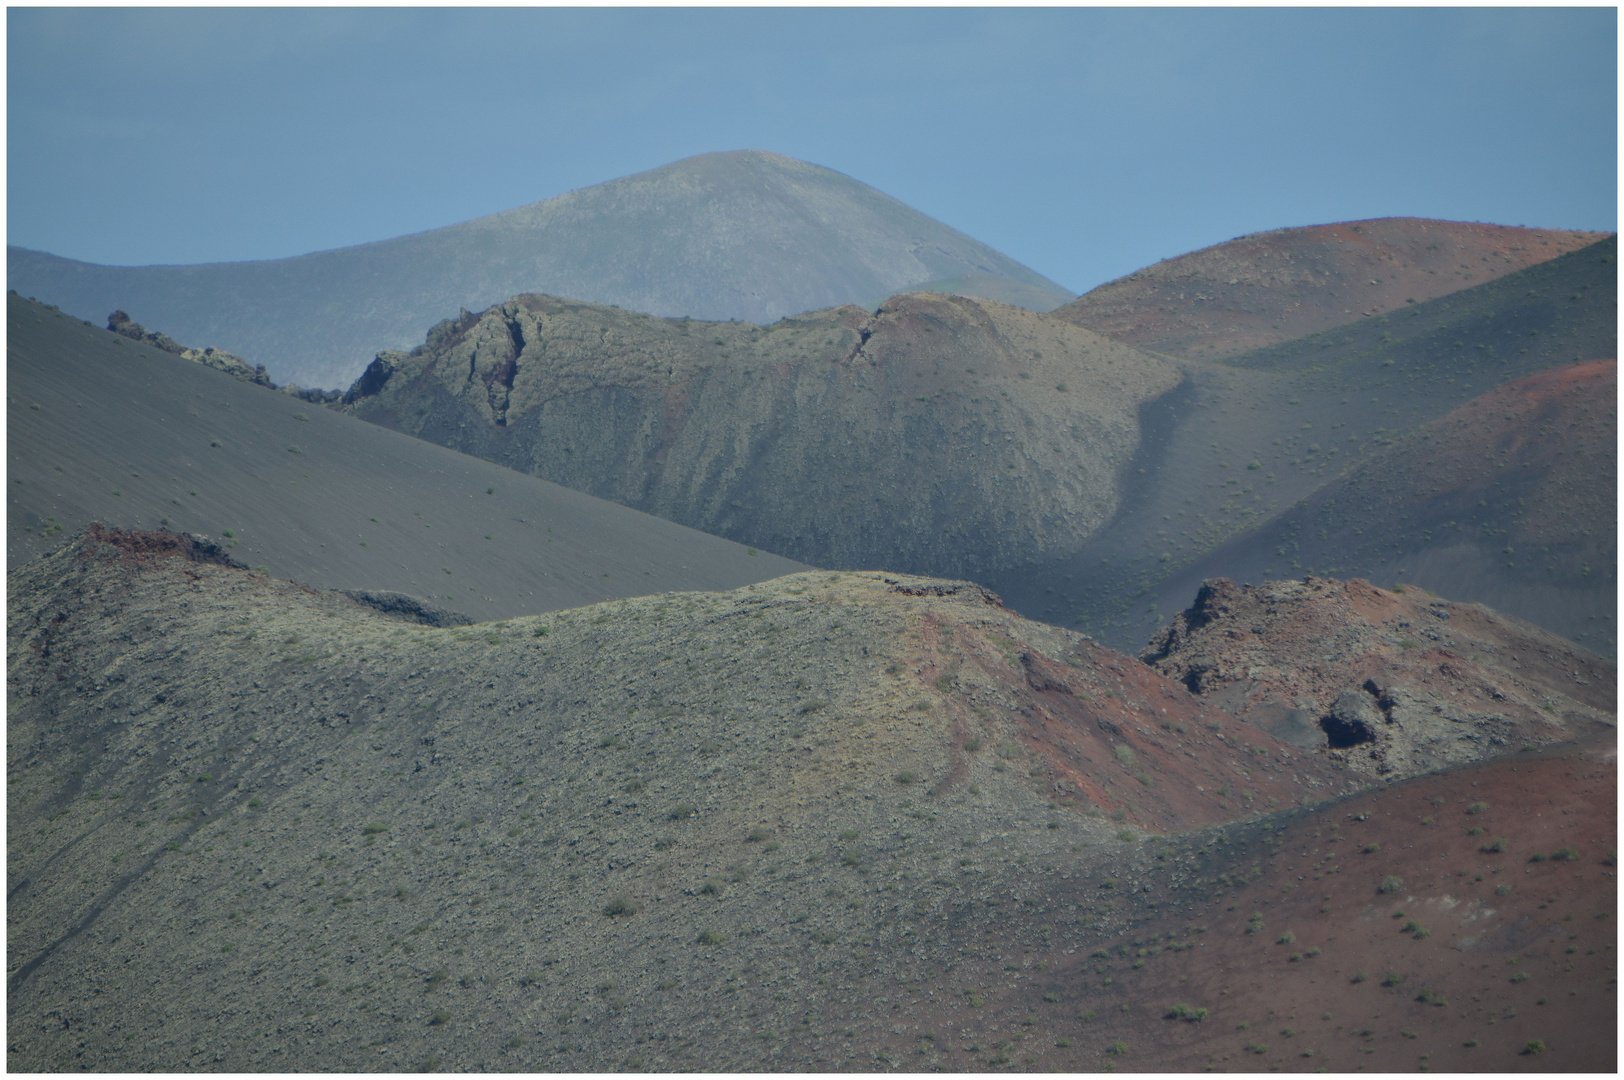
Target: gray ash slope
[[747, 234], [100, 427]]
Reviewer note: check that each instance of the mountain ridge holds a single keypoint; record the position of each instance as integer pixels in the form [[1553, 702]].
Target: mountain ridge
[[749, 235]]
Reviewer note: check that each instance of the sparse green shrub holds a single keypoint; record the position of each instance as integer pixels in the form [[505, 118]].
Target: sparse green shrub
[[1429, 996], [1186, 1012], [438, 977], [1534, 1046], [373, 828], [1538, 856], [1257, 1047], [1415, 929], [1477, 808], [848, 834], [1313, 950], [906, 776], [712, 887], [1391, 884], [680, 811], [632, 786], [1358, 977], [1502, 889], [1371, 849], [1127, 836], [1117, 1049], [440, 1016], [1124, 753], [1565, 854], [620, 906], [973, 743], [1392, 978], [1521, 976], [1493, 847], [758, 835], [709, 937], [1286, 939]]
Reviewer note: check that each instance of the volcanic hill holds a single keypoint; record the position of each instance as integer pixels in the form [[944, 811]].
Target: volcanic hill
[[834, 820], [100, 427], [746, 234], [940, 433], [1510, 499], [1269, 287], [966, 438]]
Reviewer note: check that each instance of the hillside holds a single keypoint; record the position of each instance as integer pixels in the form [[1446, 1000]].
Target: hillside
[[934, 437], [101, 427], [560, 841], [855, 821], [1271, 287], [940, 434], [1510, 499], [747, 234], [1238, 443]]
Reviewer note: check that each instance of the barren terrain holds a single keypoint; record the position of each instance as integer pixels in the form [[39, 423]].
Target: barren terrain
[[1270, 287]]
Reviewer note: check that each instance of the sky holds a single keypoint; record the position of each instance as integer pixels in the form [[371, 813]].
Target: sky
[[1085, 143]]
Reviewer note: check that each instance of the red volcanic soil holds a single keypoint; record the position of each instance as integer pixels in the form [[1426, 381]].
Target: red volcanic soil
[[1108, 735], [1274, 286], [1443, 923]]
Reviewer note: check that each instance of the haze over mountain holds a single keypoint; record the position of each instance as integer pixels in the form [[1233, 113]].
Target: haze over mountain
[[100, 427], [1270, 287], [747, 234]]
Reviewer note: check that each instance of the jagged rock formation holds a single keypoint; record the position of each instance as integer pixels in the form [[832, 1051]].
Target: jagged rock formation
[[1274, 286], [1389, 682], [120, 323], [747, 234], [942, 434]]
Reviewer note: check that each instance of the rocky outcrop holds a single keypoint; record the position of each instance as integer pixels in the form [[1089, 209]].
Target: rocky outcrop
[[120, 323], [1395, 682], [938, 435]]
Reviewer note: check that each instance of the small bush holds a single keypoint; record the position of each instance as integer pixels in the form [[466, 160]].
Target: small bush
[[1118, 1048], [374, 828], [1124, 754], [1565, 854], [1312, 951], [1534, 1046], [1257, 1047], [1521, 976], [758, 835], [709, 937], [680, 811], [1126, 836], [438, 977], [440, 1016], [1392, 978], [1358, 977], [1392, 883], [712, 887], [1415, 929], [1502, 889], [1186, 1012], [1285, 939], [905, 777], [973, 743], [1371, 849], [1493, 847], [1477, 808], [1538, 856], [1430, 997], [620, 906]]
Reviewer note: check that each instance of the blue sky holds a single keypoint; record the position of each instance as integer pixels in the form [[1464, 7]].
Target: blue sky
[[1085, 143]]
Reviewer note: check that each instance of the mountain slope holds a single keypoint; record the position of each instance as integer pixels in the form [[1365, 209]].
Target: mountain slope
[[1510, 499], [252, 825], [742, 235], [1270, 287], [942, 434], [100, 427], [1238, 443]]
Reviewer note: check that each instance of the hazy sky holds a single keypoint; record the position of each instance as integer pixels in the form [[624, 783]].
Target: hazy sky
[[1085, 143]]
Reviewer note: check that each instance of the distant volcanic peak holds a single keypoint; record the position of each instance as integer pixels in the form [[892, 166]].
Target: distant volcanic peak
[[1267, 287]]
